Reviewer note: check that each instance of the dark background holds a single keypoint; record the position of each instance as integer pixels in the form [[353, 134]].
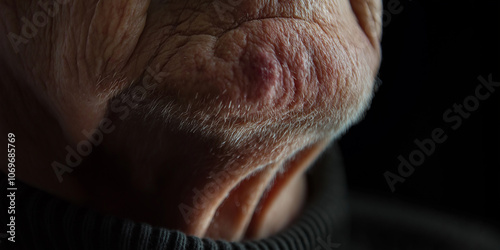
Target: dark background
[[433, 53]]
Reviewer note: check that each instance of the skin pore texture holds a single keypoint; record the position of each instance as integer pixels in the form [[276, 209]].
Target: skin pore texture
[[201, 116]]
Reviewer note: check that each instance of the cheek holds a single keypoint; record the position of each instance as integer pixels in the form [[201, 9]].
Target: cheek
[[284, 76], [277, 70]]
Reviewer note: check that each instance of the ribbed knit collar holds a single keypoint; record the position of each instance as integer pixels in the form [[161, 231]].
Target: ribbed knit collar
[[47, 222]]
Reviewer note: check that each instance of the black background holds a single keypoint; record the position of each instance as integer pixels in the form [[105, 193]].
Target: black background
[[433, 53]]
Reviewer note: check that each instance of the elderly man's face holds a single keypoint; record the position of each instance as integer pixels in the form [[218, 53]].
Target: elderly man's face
[[191, 89]]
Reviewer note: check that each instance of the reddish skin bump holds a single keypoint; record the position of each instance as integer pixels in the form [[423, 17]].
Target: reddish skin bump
[[262, 70]]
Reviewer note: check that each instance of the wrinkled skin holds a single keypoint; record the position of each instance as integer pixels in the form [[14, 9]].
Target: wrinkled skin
[[237, 99]]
